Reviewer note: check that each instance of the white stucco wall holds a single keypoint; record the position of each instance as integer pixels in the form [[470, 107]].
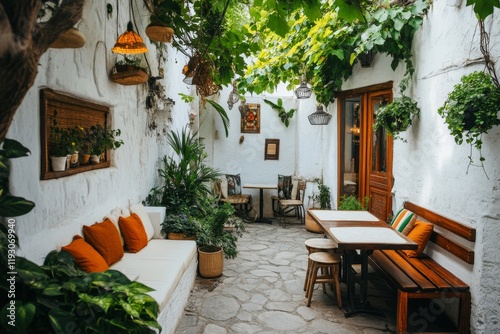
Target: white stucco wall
[[64, 205]]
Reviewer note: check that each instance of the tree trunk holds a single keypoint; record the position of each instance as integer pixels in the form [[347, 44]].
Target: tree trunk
[[23, 41]]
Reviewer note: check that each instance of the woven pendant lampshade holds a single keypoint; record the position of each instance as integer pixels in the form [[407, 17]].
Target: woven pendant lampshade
[[129, 42], [319, 117], [303, 92]]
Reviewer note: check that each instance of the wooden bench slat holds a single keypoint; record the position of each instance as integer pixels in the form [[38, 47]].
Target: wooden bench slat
[[402, 262], [461, 230], [437, 280], [460, 251], [391, 272], [446, 275]]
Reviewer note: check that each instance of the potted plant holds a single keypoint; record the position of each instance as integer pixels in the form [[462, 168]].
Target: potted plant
[[471, 109], [179, 226], [101, 140], [129, 71], [396, 116], [352, 203], [62, 144], [324, 199], [214, 241]]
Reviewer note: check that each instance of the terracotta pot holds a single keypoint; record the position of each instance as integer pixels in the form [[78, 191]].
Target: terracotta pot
[[180, 236], [210, 263], [311, 224]]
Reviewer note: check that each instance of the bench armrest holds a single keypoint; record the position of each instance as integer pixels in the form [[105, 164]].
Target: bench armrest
[[157, 216]]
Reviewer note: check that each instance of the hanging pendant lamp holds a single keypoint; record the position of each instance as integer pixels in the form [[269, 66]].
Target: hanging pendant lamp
[[129, 42], [303, 92], [319, 117]]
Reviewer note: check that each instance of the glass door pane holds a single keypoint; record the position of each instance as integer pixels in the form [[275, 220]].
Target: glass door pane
[[352, 132], [379, 152]]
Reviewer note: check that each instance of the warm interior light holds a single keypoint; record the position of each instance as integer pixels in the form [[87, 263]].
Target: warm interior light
[[129, 42], [319, 117]]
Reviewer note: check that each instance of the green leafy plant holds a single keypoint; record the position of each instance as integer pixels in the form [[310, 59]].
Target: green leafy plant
[[471, 109], [323, 197], [396, 116], [352, 203], [58, 297], [184, 176], [101, 139], [282, 113], [179, 223], [127, 62], [63, 141], [211, 233], [11, 206]]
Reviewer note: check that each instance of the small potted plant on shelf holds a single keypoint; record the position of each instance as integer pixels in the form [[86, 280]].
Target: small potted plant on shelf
[[102, 140], [129, 72], [471, 109], [396, 116], [214, 241], [62, 144]]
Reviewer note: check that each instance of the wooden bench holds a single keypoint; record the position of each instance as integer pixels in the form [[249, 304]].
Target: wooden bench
[[422, 277]]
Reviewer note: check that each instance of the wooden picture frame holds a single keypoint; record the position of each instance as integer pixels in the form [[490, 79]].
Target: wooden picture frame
[[71, 111], [272, 149], [250, 123]]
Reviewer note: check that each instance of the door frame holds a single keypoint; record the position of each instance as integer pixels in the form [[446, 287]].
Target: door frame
[[365, 150]]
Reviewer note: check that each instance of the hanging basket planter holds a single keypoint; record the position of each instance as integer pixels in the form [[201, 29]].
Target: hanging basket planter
[[70, 39], [159, 32], [128, 76]]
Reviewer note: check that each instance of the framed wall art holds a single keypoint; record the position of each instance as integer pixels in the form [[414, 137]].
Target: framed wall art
[[250, 122], [272, 149]]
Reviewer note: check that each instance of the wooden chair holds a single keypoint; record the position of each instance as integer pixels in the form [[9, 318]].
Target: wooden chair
[[242, 202], [330, 264], [288, 205]]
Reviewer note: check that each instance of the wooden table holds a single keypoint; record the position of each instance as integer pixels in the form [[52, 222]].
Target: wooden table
[[261, 188], [354, 231]]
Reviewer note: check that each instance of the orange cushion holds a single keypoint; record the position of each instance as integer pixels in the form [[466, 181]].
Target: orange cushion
[[86, 257], [105, 239], [421, 233], [133, 233]]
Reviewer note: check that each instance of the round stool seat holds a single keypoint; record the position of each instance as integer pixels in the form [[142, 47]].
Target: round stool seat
[[320, 243], [324, 258]]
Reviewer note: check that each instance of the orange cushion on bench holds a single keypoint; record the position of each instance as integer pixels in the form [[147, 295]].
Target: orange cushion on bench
[[105, 239], [86, 257], [421, 233], [133, 232]]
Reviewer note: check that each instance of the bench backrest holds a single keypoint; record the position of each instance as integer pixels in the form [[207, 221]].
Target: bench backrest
[[464, 232]]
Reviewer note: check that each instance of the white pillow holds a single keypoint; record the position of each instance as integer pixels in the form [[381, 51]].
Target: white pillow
[[295, 185], [114, 216], [139, 210]]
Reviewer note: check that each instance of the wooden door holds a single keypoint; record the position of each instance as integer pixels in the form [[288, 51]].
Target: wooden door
[[365, 155], [379, 159]]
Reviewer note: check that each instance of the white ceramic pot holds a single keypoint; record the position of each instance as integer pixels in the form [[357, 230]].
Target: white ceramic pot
[[58, 163], [95, 159]]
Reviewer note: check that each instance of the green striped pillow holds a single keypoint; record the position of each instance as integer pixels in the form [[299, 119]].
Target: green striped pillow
[[404, 221]]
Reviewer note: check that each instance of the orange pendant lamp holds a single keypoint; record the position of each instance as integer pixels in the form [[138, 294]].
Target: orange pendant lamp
[[129, 42]]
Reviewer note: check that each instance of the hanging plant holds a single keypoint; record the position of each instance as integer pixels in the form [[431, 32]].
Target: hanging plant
[[471, 109], [397, 116]]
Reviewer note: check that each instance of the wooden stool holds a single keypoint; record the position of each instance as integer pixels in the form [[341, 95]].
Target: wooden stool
[[316, 245], [331, 263]]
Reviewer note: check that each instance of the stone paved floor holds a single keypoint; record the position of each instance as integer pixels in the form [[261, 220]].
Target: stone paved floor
[[261, 291]]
